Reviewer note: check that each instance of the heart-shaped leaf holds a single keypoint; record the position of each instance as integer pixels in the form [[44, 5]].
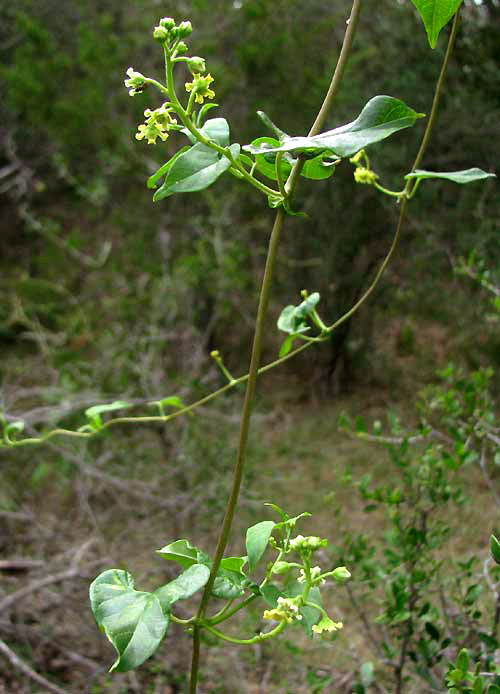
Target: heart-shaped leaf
[[133, 621], [381, 117], [184, 586], [197, 168], [465, 176], [257, 540], [435, 14], [182, 552]]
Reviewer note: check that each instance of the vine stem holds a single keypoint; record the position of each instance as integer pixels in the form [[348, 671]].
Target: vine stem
[[437, 93], [257, 343]]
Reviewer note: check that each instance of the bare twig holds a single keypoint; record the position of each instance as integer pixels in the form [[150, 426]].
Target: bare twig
[[19, 664]]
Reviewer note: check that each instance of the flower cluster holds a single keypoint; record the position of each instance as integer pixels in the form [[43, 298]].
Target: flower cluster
[[287, 610], [315, 574], [326, 624], [200, 86], [157, 124], [167, 30], [135, 83], [364, 175], [307, 544], [363, 172]]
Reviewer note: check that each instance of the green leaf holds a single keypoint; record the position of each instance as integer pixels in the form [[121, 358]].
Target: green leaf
[[320, 167], [271, 593], [217, 129], [162, 171], [132, 620], [229, 585], [381, 117], [265, 163], [233, 563], [94, 413], [184, 586], [256, 541], [287, 345], [196, 169], [495, 548], [478, 686], [203, 112], [13, 428], [366, 673], [182, 552], [463, 661], [274, 128], [493, 689], [293, 318], [435, 14], [462, 177]]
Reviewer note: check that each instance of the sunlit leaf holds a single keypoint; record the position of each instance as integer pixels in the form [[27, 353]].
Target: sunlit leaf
[[133, 621], [435, 14], [381, 117], [184, 586], [257, 539]]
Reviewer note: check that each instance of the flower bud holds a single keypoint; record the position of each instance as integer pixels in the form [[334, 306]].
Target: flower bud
[[341, 574], [161, 34], [182, 47], [281, 567], [167, 22], [184, 29], [196, 65]]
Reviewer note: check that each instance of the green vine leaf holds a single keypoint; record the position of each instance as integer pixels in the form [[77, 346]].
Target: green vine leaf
[[93, 413], [257, 540], [462, 177], [133, 621], [195, 170], [183, 553], [183, 587], [229, 584], [381, 117], [435, 14]]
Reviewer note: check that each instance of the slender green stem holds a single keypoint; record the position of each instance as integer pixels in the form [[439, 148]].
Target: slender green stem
[[246, 642], [259, 328], [437, 94], [393, 193], [195, 660], [225, 614], [379, 274]]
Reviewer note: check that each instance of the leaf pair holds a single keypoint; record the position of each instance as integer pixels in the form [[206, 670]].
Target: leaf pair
[[135, 621], [381, 117]]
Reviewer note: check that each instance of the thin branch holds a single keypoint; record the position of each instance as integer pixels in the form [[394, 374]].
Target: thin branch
[[19, 664]]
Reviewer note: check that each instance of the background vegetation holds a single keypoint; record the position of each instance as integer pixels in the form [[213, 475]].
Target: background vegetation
[[106, 295]]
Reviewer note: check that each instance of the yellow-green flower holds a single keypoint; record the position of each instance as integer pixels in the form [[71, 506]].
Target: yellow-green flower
[[364, 175], [201, 87], [156, 125], [326, 624], [286, 610]]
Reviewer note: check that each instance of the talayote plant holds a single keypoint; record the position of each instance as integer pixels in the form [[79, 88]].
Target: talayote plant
[[136, 622]]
